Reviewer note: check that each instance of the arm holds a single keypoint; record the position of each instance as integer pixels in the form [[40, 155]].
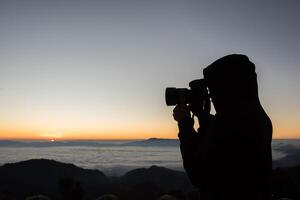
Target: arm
[[190, 142]]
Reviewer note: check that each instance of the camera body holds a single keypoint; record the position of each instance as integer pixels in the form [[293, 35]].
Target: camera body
[[195, 96]]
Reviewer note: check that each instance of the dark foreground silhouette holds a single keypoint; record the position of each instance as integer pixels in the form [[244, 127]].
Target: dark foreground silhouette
[[58, 180], [229, 157]]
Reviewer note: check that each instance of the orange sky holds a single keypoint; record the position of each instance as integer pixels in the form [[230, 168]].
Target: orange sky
[[167, 130], [117, 135], [111, 123]]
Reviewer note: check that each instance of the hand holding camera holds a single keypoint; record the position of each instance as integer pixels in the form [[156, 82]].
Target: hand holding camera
[[195, 100], [181, 112]]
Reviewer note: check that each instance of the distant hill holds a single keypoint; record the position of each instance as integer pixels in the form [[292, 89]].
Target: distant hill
[[148, 142], [283, 144], [154, 142]]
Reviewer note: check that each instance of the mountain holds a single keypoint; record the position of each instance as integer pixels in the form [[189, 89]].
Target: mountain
[[279, 145], [9, 143], [43, 176], [150, 183], [48, 177], [51, 178], [165, 178], [154, 142], [148, 142]]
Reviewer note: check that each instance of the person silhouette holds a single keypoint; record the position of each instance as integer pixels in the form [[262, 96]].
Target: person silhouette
[[229, 156]]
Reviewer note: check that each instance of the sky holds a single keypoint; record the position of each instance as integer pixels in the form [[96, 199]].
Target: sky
[[98, 69]]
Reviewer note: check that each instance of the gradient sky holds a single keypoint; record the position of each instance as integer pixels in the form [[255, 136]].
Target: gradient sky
[[98, 69]]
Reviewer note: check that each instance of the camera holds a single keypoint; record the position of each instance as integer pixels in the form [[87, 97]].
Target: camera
[[195, 96]]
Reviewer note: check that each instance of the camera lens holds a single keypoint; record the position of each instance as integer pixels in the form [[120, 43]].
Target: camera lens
[[171, 96]]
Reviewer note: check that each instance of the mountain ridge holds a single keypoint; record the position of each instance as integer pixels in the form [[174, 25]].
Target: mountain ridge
[[42, 176], [147, 142]]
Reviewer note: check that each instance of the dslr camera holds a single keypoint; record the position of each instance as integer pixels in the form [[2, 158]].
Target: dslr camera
[[196, 97]]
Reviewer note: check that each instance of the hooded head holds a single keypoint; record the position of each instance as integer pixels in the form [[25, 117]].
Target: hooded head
[[231, 81]]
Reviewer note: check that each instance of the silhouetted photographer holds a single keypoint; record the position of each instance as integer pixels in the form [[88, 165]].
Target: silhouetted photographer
[[229, 157]]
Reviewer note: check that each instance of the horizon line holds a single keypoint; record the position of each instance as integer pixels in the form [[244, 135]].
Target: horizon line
[[62, 140]]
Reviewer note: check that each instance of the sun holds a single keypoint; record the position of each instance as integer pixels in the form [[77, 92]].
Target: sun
[[52, 136]]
